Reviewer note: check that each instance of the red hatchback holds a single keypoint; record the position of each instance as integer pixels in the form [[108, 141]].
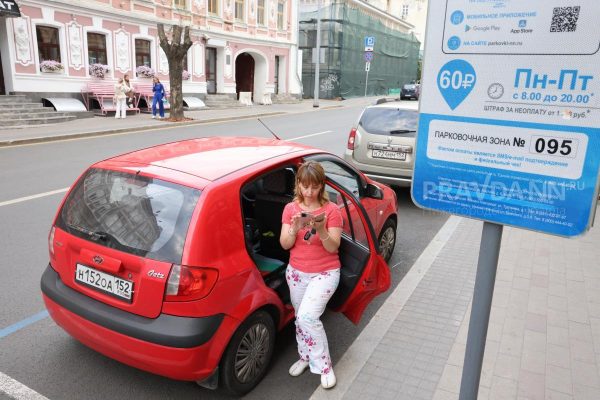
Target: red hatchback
[[168, 258]]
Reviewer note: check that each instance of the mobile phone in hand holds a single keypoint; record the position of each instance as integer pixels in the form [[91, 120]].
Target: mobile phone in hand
[[319, 218]]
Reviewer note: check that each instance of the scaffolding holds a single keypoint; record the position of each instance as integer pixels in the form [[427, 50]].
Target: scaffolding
[[342, 74]]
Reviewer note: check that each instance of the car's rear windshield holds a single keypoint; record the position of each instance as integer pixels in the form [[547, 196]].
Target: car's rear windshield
[[387, 120], [132, 213]]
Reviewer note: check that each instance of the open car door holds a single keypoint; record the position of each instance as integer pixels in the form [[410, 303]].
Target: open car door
[[364, 273]]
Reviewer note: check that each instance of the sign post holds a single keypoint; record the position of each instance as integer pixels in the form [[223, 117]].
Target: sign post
[[509, 128], [369, 46]]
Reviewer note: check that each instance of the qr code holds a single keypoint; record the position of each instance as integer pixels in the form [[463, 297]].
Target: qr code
[[564, 19]]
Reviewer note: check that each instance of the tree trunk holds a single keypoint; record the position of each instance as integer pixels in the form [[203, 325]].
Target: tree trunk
[[175, 51]]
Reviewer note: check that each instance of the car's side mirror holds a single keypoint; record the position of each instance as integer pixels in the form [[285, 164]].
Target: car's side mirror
[[374, 192]]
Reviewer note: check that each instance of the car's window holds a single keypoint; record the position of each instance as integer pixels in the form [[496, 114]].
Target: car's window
[[132, 213], [353, 227], [387, 120], [345, 177]]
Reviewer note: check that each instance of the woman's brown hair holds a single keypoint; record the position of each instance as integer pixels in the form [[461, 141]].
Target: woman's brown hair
[[310, 173]]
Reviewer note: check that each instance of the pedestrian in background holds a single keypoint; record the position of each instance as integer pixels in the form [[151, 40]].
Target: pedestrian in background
[[119, 99], [159, 93], [311, 230], [128, 91]]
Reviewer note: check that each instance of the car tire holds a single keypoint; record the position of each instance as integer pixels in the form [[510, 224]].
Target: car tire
[[248, 354], [387, 239]]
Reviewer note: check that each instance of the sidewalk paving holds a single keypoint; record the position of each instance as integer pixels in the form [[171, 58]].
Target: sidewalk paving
[[543, 340], [108, 125]]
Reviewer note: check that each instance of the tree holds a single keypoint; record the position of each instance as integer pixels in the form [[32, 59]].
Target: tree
[[175, 50]]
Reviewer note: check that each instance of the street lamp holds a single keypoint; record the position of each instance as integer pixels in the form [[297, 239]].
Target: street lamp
[[318, 57]]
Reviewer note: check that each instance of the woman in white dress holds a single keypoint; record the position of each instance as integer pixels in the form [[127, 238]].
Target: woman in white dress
[[119, 99]]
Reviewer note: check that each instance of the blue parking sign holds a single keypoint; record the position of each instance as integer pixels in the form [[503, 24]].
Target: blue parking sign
[[369, 43], [511, 138]]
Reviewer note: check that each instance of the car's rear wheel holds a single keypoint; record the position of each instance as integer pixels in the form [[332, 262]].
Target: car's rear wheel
[[248, 354], [387, 239]]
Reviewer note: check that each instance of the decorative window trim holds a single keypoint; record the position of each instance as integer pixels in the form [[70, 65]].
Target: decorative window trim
[[61, 43]]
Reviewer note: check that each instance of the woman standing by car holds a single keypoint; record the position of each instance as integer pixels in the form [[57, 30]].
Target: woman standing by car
[[311, 230], [159, 92]]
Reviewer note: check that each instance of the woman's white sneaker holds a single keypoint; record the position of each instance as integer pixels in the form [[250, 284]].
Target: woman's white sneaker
[[328, 380], [298, 367]]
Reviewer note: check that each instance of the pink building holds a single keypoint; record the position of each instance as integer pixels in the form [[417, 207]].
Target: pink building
[[238, 45]]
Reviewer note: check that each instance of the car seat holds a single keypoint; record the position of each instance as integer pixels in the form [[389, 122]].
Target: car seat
[[277, 191]]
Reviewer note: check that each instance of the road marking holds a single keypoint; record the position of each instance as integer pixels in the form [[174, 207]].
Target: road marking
[[354, 359], [16, 390], [32, 197], [23, 323], [307, 136]]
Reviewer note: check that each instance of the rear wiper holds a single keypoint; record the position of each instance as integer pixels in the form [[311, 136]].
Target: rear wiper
[[398, 131], [93, 235]]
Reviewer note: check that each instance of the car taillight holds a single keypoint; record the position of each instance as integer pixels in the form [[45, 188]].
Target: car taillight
[[351, 139], [51, 242], [188, 283]]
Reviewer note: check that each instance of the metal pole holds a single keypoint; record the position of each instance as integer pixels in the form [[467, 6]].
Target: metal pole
[[366, 82], [489, 250], [318, 61]]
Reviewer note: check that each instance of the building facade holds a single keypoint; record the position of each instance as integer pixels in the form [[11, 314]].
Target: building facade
[[238, 45], [411, 11], [348, 67]]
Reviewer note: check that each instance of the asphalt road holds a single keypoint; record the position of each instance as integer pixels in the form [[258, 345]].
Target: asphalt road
[[43, 357]]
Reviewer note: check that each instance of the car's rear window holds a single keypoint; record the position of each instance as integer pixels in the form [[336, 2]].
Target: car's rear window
[[132, 213], [387, 120]]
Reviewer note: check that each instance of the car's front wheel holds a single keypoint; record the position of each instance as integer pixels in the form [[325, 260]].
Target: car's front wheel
[[387, 239], [248, 354]]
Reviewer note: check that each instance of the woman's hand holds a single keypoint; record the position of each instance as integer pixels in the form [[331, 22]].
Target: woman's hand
[[297, 224], [321, 226]]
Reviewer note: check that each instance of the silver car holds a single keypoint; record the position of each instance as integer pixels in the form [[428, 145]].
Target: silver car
[[381, 144]]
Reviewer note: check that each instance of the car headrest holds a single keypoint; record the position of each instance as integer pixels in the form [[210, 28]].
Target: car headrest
[[279, 182]]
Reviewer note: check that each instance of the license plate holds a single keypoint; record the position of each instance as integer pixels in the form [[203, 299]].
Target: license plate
[[391, 155], [104, 282]]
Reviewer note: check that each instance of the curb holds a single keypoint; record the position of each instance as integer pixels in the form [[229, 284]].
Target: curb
[[42, 139]]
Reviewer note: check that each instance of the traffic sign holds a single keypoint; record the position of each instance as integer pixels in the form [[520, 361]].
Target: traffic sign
[[369, 43], [511, 138], [367, 66], [368, 56]]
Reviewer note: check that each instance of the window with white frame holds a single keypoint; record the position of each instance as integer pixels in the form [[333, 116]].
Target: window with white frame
[[280, 8], [142, 53], [48, 43], [239, 10], [96, 48], [213, 7], [180, 3], [404, 11], [260, 12]]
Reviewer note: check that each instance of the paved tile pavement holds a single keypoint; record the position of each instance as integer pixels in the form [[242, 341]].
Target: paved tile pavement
[[543, 340]]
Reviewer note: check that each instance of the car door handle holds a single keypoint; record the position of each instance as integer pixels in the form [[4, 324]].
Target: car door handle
[[367, 282]]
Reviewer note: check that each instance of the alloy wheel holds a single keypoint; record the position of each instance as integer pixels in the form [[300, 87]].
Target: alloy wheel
[[251, 355]]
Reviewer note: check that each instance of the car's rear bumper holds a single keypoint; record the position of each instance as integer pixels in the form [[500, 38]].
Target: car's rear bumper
[[176, 347], [390, 176]]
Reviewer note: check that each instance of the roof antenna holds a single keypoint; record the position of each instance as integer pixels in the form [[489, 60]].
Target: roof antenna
[[272, 133]]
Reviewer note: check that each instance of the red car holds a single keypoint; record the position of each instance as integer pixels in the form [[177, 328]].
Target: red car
[[168, 258]]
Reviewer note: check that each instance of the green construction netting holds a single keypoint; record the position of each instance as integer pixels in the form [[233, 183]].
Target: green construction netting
[[342, 71]]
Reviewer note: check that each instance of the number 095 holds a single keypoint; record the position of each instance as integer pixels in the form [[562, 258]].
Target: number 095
[[546, 145]]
